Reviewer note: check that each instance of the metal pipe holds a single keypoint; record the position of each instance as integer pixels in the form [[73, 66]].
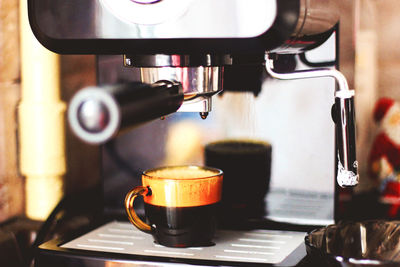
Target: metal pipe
[[343, 115], [41, 124]]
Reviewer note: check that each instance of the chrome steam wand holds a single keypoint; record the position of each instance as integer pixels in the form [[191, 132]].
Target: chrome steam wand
[[342, 114]]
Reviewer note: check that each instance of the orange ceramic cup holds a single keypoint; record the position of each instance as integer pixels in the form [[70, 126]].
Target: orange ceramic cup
[[180, 204]]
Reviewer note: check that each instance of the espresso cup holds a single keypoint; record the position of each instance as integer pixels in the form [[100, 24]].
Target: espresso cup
[[180, 204], [244, 163]]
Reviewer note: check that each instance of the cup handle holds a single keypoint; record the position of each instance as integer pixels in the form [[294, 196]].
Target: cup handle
[[133, 218]]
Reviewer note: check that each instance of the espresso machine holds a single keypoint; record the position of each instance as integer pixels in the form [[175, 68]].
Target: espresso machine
[[174, 57]]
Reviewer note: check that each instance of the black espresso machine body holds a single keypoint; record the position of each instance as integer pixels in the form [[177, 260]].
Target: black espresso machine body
[[208, 40], [181, 27]]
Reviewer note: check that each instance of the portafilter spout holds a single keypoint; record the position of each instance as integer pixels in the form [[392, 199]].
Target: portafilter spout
[[342, 114]]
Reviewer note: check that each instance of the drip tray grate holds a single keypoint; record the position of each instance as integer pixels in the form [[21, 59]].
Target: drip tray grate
[[255, 246]]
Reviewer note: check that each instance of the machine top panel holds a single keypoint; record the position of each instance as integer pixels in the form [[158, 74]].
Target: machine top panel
[[162, 26], [127, 19]]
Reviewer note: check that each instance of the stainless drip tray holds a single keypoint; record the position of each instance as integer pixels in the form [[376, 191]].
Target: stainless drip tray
[[300, 207], [255, 246]]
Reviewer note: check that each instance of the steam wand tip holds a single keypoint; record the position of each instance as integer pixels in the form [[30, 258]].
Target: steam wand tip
[[347, 178]]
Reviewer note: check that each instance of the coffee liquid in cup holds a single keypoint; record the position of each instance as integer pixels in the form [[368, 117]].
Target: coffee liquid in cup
[[181, 207], [247, 168], [183, 226]]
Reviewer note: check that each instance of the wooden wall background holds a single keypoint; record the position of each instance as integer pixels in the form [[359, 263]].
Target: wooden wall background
[[76, 72], [11, 184]]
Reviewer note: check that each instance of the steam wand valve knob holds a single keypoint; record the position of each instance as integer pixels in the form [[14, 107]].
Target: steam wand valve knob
[[97, 114]]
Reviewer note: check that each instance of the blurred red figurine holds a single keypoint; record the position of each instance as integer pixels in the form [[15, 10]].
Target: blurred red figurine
[[384, 158]]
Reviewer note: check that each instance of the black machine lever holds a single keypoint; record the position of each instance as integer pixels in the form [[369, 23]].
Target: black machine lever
[[97, 114]]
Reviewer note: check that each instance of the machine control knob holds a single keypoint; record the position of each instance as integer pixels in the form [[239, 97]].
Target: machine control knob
[[146, 12], [146, 1], [93, 115]]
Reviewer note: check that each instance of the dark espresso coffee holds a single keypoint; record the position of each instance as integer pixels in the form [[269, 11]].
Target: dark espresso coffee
[[247, 169], [182, 226], [180, 204]]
